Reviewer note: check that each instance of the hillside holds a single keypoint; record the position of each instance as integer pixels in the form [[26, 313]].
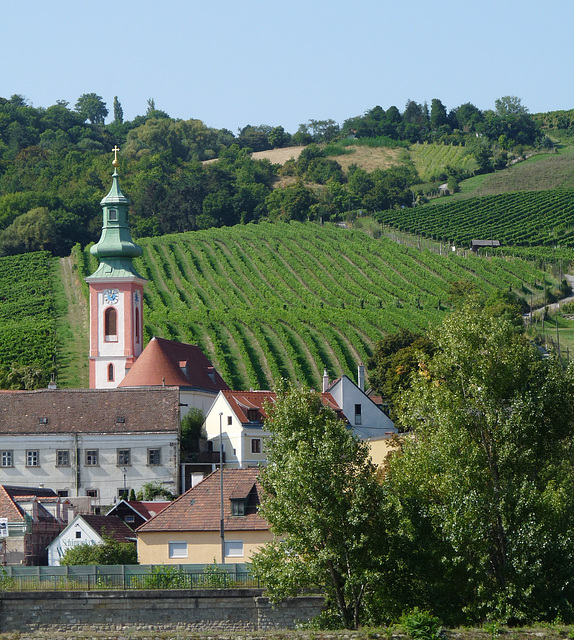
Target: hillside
[[285, 300]]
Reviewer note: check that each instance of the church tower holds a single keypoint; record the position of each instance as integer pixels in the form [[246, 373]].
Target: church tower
[[116, 294]]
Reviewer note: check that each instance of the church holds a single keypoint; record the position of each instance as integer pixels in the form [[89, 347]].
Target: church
[[124, 431]]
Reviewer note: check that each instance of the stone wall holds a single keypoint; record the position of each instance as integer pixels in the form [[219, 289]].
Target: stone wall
[[161, 611]]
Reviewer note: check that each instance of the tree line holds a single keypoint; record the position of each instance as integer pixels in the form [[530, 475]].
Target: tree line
[[54, 166]]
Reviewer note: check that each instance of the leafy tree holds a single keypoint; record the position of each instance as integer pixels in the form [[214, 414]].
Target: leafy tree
[[438, 116], [111, 551], [322, 500], [509, 106], [483, 496], [92, 108], [395, 359], [191, 430], [278, 137], [31, 231], [118, 111], [152, 490], [291, 203]]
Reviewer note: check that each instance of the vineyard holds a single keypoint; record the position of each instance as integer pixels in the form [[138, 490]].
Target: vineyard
[[521, 219], [432, 159], [27, 312], [287, 299]]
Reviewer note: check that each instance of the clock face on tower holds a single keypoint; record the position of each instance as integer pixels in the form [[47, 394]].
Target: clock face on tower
[[111, 296]]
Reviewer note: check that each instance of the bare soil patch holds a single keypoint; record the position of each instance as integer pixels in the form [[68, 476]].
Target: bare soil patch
[[370, 158]]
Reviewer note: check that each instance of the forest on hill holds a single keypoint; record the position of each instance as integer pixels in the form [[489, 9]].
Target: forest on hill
[[54, 165]]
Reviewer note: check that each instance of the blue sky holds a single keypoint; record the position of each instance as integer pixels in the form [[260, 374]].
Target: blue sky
[[232, 63]]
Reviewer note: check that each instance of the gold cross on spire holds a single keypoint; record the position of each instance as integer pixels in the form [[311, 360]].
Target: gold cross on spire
[[115, 161]]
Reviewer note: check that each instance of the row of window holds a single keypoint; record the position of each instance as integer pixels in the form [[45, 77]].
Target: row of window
[[91, 457], [233, 549]]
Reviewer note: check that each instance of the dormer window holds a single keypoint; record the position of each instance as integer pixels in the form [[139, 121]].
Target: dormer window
[[238, 506], [253, 415]]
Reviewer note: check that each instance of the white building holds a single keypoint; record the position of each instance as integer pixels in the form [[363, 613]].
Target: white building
[[90, 442], [88, 529]]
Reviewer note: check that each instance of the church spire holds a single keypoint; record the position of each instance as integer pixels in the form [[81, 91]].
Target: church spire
[[115, 248]]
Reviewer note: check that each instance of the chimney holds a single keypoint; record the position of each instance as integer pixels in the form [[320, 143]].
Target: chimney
[[361, 377], [325, 380]]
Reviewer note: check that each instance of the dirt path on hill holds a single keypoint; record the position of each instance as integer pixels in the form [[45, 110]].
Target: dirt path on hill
[[74, 371]]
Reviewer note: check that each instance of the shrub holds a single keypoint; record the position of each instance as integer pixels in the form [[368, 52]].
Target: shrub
[[421, 625]]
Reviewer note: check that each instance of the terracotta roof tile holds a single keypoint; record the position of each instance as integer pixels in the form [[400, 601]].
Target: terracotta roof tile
[[243, 401], [165, 362], [199, 508], [9, 508], [111, 525], [89, 410]]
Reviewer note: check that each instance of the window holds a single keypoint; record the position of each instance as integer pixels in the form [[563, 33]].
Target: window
[[113, 215], [78, 535], [111, 325], [238, 507], [62, 458], [124, 457], [110, 372], [123, 493], [154, 456], [177, 549], [42, 420], [255, 445], [129, 519], [358, 414], [7, 458], [92, 458], [137, 325], [229, 420], [234, 548], [92, 493], [62, 493], [32, 458]]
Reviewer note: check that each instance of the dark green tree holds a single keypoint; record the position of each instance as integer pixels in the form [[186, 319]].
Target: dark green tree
[[322, 500], [483, 495], [118, 111], [91, 107]]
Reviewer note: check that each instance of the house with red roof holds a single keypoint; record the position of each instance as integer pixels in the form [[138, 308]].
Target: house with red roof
[[30, 518], [236, 423], [135, 512], [188, 530], [88, 529]]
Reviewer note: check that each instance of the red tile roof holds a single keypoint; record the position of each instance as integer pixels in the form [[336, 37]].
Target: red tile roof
[[199, 508], [242, 401], [89, 410], [148, 509], [111, 526], [9, 508], [164, 362]]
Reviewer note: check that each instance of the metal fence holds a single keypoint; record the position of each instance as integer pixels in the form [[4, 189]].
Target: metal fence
[[126, 577]]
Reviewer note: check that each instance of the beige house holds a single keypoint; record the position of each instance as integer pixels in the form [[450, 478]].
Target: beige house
[[188, 530]]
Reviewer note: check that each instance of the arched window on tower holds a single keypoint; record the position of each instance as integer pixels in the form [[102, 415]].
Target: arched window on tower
[[137, 325], [111, 325], [110, 372]]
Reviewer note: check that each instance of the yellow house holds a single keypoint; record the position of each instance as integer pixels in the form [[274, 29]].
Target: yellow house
[[188, 530]]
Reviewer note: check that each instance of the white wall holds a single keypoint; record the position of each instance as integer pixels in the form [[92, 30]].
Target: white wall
[[69, 538], [107, 476]]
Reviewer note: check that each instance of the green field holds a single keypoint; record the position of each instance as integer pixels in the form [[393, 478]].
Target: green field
[[28, 311], [285, 300], [520, 219]]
